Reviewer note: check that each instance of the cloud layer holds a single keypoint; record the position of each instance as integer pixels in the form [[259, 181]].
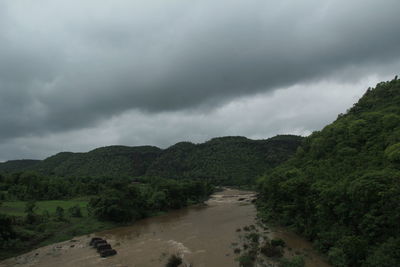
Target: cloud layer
[[70, 66]]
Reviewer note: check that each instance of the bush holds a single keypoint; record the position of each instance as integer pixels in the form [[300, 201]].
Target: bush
[[6, 230], [75, 211], [393, 152], [296, 261], [270, 251], [386, 255], [174, 261], [60, 213], [278, 242], [246, 260]]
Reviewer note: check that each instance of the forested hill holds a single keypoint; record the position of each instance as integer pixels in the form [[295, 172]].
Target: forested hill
[[225, 160], [342, 187], [111, 161], [17, 165], [228, 160]]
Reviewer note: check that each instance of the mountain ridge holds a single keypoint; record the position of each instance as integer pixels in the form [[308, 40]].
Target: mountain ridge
[[181, 160]]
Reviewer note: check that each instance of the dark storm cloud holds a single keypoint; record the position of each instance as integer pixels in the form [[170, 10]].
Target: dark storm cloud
[[71, 64]]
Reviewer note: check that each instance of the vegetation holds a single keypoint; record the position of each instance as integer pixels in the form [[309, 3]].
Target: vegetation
[[174, 261], [257, 249], [226, 160], [42, 225], [112, 161], [342, 188], [17, 165], [30, 219], [296, 261]]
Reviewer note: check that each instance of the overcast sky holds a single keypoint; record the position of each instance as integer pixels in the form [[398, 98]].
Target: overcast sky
[[75, 75]]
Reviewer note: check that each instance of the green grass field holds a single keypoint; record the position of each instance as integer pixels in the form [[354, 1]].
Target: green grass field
[[16, 208]]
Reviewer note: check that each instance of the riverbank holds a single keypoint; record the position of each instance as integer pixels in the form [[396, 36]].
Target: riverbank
[[202, 235]]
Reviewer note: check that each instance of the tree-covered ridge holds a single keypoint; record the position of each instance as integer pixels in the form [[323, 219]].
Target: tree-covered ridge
[[111, 161], [224, 160], [17, 165], [342, 188]]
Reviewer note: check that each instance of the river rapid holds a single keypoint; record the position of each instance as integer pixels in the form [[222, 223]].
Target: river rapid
[[203, 235]]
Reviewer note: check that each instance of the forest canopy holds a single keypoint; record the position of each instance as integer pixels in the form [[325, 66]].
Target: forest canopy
[[342, 187]]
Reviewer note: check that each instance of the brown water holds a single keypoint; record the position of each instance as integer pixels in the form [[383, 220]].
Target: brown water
[[202, 235]]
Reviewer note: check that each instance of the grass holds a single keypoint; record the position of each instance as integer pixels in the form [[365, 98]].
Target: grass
[[52, 230], [17, 208]]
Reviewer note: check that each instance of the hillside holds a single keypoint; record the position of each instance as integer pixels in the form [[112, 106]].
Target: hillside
[[111, 161], [342, 188], [17, 165], [224, 160]]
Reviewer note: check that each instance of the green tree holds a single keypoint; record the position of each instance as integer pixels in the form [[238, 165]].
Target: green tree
[[60, 213]]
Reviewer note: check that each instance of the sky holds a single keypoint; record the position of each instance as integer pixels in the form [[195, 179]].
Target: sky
[[76, 75]]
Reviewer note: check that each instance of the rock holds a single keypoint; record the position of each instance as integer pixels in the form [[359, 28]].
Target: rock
[[98, 242], [108, 253], [94, 239], [103, 247]]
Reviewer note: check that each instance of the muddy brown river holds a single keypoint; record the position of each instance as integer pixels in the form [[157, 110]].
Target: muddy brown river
[[203, 235]]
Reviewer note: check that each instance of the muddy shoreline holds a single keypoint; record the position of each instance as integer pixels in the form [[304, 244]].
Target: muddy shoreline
[[202, 235]]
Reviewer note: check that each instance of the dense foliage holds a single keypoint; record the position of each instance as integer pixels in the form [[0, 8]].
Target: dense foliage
[[224, 160], [17, 165], [111, 161], [124, 202], [342, 188], [30, 185]]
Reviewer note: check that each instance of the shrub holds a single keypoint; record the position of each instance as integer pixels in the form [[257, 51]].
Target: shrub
[[278, 242], [296, 261], [75, 211], [174, 261], [270, 251]]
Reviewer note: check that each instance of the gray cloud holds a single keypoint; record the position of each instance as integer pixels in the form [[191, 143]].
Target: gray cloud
[[298, 109], [72, 65]]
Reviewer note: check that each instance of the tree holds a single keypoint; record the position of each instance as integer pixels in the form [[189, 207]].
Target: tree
[[60, 213], [30, 208], [75, 211], [6, 230]]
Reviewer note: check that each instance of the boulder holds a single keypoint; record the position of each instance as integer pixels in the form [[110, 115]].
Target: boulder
[[108, 253], [99, 242], [103, 247], [94, 239]]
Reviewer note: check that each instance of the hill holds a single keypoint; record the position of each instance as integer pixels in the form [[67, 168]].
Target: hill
[[224, 160], [111, 161], [342, 187], [17, 165]]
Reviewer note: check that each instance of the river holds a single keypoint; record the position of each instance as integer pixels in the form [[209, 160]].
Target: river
[[204, 235]]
